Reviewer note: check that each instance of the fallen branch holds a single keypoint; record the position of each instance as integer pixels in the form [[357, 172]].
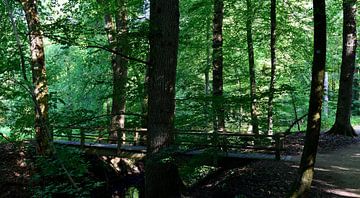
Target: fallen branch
[[5, 137], [295, 121]]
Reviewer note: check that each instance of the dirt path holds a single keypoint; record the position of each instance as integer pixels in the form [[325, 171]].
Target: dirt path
[[338, 172]]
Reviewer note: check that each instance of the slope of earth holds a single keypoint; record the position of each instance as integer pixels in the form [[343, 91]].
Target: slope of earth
[[14, 171]]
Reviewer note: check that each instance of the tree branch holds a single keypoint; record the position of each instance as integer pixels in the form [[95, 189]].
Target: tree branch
[[117, 53]]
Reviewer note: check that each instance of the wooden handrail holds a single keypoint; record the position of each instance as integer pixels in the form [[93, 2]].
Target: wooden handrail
[[248, 141]]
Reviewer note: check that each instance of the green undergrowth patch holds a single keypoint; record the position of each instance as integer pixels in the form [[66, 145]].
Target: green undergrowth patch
[[63, 175], [195, 168]]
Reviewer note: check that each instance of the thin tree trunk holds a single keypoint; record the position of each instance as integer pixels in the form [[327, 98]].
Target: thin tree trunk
[[293, 101], [342, 124], [39, 76], [356, 95], [250, 49], [303, 182], [219, 122], [273, 66], [326, 95], [144, 105], [240, 105], [207, 71], [17, 37], [161, 175]]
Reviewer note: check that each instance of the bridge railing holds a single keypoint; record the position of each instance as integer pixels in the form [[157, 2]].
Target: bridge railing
[[191, 139], [228, 141], [101, 135]]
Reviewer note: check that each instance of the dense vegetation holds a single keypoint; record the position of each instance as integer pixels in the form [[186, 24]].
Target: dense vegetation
[[216, 66]]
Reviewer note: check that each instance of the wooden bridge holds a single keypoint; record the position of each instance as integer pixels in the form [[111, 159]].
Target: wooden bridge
[[132, 143]]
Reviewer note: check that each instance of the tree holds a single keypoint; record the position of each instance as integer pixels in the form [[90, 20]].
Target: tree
[[219, 118], [118, 41], [342, 124], [356, 94], [303, 182], [40, 88], [251, 59], [162, 179], [273, 65]]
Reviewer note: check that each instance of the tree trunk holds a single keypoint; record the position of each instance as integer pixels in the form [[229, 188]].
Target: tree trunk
[[342, 124], [144, 104], [219, 122], [118, 41], [273, 66], [250, 49], [302, 184], [38, 68], [326, 95], [161, 175], [207, 71], [356, 95]]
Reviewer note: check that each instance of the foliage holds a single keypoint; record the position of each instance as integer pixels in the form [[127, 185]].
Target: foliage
[[52, 175]]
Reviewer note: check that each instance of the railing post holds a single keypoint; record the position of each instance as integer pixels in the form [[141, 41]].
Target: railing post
[[136, 137], [277, 146], [82, 138], [70, 135]]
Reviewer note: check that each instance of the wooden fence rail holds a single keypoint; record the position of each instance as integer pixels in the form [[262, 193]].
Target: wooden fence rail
[[188, 138]]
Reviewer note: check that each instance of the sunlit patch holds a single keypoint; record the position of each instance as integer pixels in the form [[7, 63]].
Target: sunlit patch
[[356, 155], [344, 192], [324, 183], [340, 168], [322, 169]]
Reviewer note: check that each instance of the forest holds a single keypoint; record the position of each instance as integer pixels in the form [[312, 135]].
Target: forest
[[170, 98]]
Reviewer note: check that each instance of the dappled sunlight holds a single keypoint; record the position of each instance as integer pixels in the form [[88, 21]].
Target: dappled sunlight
[[356, 155], [336, 190], [344, 192], [322, 169]]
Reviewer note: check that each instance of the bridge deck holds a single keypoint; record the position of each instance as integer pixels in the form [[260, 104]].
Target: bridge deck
[[131, 148]]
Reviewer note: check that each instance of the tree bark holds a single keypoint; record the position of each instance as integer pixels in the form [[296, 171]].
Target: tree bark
[[342, 124], [161, 175], [118, 41], [219, 117], [40, 93], [273, 66], [250, 49], [303, 182]]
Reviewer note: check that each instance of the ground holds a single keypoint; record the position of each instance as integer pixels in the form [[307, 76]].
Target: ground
[[337, 172], [14, 171]]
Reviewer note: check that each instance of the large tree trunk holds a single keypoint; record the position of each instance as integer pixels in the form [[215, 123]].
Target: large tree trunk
[[161, 175], [273, 66], [118, 41], [250, 49], [342, 124], [302, 184], [219, 117], [40, 88]]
